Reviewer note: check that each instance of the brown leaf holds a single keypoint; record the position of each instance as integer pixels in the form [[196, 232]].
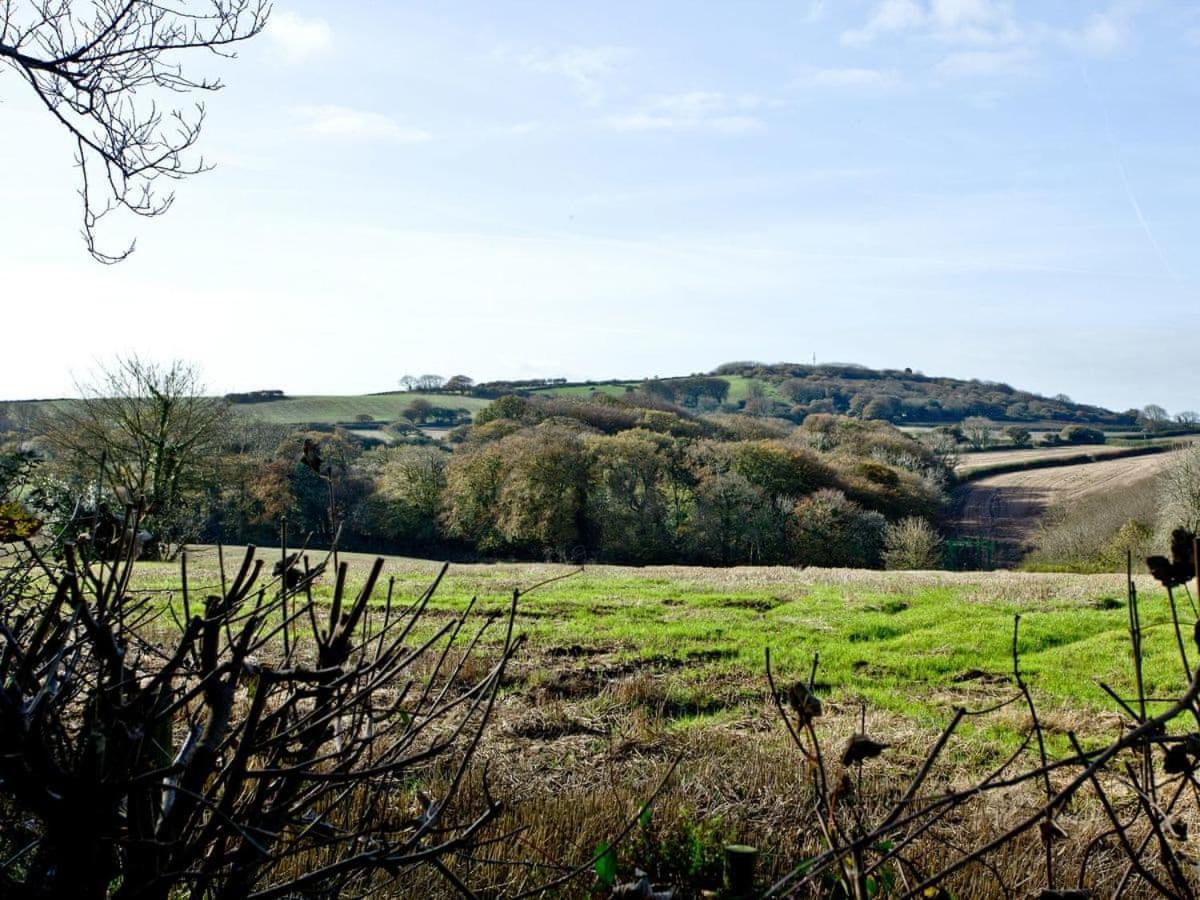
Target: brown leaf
[[804, 702], [859, 748]]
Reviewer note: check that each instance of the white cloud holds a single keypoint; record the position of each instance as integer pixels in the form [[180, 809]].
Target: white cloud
[[357, 124], [982, 22], [587, 68], [985, 37], [977, 63], [299, 38], [853, 78], [887, 16], [695, 111], [1102, 35]]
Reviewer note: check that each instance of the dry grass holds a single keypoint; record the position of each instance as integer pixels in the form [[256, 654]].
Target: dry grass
[[600, 702]]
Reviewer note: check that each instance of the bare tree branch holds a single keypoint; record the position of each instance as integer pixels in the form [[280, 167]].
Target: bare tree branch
[[103, 70]]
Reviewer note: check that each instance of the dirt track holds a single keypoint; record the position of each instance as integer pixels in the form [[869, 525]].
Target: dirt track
[[1005, 508]]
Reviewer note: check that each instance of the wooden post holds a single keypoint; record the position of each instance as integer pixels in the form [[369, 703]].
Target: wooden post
[[740, 860]]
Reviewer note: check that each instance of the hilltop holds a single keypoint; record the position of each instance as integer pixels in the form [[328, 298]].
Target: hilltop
[[793, 391]]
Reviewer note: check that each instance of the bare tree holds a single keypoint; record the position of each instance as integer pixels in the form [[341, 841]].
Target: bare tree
[[103, 68], [1180, 487], [978, 432], [148, 433], [1154, 417]]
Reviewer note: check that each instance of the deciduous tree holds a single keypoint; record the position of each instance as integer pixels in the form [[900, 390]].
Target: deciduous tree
[[149, 435]]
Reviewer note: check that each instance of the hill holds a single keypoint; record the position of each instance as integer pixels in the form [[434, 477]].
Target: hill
[[781, 390], [793, 391]]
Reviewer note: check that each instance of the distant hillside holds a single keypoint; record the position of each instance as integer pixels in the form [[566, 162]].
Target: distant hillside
[[793, 391], [326, 409], [781, 390], [330, 409]]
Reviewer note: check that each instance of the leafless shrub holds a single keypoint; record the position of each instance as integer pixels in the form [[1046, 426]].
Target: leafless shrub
[[1095, 533], [911, 543], [1181, 489], [260, 744]]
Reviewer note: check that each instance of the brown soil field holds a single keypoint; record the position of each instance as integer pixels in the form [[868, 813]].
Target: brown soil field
[[1007, 507], [969, 462], [973, 462]]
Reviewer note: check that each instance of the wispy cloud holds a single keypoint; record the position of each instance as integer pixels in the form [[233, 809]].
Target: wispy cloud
[[852, 78], [886, 17], [814, 13], [984, 63], [357, 124], [980, 22], [695, 111], [987, 38], [588, 69], [299, 38], [1103, 34]]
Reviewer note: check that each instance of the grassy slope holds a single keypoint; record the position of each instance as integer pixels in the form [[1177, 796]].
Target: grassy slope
[[329, 408], [898, 641], [739, 389], [383, 407]]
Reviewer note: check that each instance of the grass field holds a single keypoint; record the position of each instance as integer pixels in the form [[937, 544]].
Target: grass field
[[329, 408], [628, 669], [911, 644], [976, 464], [326, 408]]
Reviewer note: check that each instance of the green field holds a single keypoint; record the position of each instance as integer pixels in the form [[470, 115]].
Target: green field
[[910, 644], [328, 409], [325, 408], [630, 672]]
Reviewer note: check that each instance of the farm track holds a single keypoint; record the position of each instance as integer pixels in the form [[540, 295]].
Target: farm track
[[1006, 508]]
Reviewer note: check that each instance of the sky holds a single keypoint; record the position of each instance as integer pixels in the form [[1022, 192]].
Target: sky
[[983, 189]]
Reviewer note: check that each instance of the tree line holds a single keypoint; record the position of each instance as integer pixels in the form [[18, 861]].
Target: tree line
[[631, 479]]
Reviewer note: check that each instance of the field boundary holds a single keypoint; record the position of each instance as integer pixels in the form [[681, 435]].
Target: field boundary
[[1053, 462]]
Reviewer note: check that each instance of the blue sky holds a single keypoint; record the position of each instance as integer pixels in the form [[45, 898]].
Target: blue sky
[[975, 188]]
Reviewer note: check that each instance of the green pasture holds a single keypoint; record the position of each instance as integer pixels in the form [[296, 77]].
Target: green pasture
[[912, 644], [330, 408]]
